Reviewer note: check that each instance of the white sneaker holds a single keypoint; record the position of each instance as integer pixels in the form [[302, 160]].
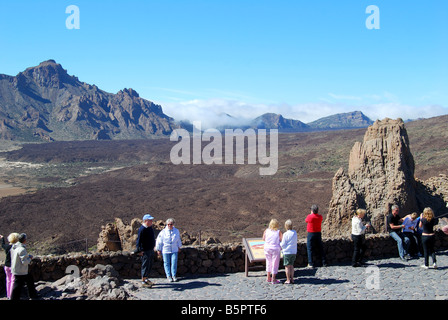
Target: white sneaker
[[425, 267], [169, 279], [434, 265], [174, 279]]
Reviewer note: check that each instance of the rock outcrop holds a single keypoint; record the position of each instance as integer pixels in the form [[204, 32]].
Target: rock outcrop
[[101, 282], [118, 236], [380, 174]]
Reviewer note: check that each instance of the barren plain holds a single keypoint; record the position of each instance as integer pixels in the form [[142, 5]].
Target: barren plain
[[73, 188]]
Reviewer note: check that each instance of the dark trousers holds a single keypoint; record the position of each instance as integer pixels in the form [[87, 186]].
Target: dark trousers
[[428, 249], [359, 248], [313, 244], [419, 242], [147, 261], [19, 282], [413, 243]]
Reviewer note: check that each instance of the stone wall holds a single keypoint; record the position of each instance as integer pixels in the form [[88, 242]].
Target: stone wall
[[210, 259]]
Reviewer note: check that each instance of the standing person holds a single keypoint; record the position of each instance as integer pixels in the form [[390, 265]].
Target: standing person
[[145, 248], [314, 237], [427, 222], [289, 248], [410, 233], [272, 237], [20, 260], [418, 233], [358, 237], [394, 227], [168, 244], [12, 238]]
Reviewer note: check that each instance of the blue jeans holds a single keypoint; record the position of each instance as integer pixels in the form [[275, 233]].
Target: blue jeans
[[401, 244], [170, 263]]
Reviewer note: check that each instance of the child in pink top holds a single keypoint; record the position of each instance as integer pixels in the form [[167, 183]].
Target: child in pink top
[[272, 238]]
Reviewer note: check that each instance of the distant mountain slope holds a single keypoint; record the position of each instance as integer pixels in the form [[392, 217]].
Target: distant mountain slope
[[349, 120], [277, 121], [46, 103], [355, 119]]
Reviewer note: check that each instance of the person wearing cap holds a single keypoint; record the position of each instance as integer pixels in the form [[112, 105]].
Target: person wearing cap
[[168, 245], [20, 260], [145, 247]]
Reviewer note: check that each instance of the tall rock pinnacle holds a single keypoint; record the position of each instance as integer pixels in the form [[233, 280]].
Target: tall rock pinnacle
[[380, 174]]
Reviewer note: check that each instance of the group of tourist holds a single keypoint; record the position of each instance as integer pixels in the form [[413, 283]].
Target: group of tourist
[[168, 244], [413, 233], [16, 267], [276, 244]]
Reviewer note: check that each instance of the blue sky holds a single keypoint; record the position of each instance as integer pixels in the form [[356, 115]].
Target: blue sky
[[304, 59]]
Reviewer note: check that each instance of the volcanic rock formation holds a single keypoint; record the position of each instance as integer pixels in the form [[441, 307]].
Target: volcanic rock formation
[[380, 174]]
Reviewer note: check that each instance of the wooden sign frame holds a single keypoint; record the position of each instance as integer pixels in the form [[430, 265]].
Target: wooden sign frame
[[254, 252]]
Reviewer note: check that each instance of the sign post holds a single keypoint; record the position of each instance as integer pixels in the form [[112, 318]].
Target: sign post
[[254, 252]]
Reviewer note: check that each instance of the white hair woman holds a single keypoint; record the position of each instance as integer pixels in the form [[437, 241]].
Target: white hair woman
[[289, 248], [168, 245]]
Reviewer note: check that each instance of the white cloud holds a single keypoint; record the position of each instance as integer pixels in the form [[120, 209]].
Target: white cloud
[[397, 110], [213, 112]]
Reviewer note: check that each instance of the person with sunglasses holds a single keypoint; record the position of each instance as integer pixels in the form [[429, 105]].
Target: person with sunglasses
[[168, 245]]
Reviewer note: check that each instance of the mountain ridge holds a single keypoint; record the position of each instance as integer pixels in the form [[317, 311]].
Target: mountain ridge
[[46, 103]]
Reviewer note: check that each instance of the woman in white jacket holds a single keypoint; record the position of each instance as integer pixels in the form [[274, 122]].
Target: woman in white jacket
[[20, 260], [168, 245]]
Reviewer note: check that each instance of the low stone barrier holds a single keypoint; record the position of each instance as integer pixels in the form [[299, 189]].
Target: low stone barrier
[[210, 259]]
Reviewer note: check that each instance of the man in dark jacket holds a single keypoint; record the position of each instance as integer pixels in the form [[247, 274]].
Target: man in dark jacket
[[145, 247]]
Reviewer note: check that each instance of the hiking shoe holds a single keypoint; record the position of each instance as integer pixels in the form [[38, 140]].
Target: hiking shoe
[[147, 283]]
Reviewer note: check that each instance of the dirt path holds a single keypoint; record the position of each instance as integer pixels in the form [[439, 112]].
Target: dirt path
[[9, 190]]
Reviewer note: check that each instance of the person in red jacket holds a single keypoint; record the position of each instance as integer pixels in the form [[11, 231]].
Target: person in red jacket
[[314, 237]]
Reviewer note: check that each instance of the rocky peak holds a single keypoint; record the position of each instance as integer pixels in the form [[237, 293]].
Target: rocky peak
[[380, 174], [130, 92], [47, 74]]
